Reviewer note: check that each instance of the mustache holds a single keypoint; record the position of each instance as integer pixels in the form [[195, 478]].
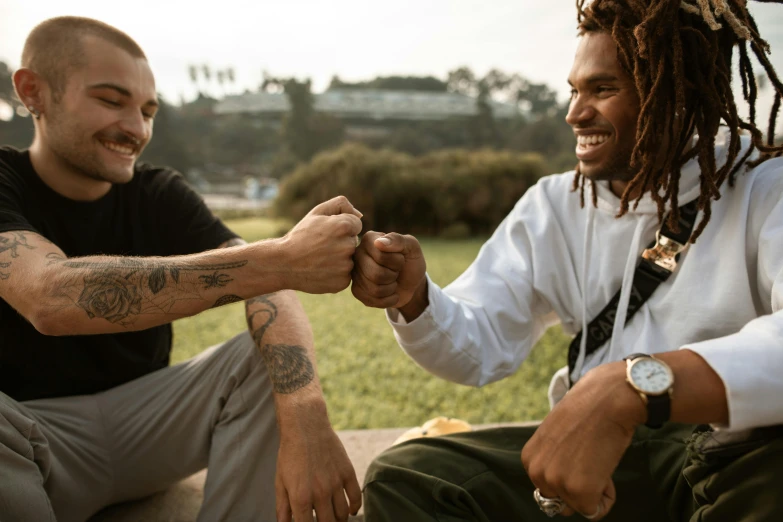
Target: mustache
[[121, 138]]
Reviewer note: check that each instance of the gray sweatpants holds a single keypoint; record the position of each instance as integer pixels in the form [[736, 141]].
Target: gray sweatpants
[[65, 459]]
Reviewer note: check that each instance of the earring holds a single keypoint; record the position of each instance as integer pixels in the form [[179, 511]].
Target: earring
[[34, 112]]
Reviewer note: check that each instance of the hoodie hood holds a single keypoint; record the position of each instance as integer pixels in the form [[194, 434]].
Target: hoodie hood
[[646, 212], [688, 191]]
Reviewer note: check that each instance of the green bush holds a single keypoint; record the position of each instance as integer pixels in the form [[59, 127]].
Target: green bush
[[455, 231], [425, 195]]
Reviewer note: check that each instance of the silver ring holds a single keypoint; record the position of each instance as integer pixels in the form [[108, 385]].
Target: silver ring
[[596, 514], [550, 506]]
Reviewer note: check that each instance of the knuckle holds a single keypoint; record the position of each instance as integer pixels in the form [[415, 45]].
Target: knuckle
[[554, 480], [529, 463], [377, 292], [344, 283], [300, 504], [375, 273], [322, 495], [572, 487], [343, 226], [386, 278]]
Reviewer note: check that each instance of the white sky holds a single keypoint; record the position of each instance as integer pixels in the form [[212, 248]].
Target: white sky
[[355, 39]]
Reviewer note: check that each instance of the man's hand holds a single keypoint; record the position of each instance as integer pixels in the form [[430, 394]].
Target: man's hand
[[389, 271], [320, 247], [314, 473], [580, 443]]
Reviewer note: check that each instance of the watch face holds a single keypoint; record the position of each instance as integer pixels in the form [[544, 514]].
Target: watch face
[[650, 376]]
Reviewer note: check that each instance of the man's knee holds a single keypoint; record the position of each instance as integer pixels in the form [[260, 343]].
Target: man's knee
[[21, 435]]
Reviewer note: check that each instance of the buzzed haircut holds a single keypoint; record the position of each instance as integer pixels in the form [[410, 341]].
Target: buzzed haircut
[[54, 47]]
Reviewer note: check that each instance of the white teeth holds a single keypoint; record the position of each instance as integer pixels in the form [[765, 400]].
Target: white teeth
[[118, 148], [592, 139]]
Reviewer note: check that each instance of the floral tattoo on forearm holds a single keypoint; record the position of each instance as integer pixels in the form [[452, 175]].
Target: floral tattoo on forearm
[[121, 289]]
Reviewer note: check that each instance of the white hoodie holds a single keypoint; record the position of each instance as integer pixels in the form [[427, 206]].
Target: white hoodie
[[552, 261]]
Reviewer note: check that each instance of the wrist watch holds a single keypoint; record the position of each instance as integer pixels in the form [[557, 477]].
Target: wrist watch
[[653, 380]]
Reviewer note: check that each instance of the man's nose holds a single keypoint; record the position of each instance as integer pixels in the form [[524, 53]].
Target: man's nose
[[135, 124], [579, 112]]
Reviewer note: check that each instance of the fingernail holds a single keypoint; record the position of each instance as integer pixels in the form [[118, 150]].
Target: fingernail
[[385, 240]]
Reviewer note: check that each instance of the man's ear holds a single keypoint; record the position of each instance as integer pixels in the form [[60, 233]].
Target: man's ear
[[30, 89]]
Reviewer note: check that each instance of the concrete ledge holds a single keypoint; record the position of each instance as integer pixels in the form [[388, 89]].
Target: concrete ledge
[[181, 502]]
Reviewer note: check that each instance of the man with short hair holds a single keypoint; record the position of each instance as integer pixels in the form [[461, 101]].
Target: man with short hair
[[692, 433], [98, 254]]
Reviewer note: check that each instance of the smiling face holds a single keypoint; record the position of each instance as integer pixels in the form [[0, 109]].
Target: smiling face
[[603, 111], [99, 125]]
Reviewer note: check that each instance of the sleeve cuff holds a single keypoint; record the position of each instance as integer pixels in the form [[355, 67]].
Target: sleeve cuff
[[750, 370], [424, 327]]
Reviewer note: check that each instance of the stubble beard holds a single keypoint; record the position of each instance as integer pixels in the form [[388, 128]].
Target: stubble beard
[[617, 168], [80, 155]]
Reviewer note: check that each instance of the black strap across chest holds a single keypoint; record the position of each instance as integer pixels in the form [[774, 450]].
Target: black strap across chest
[[647, 277]]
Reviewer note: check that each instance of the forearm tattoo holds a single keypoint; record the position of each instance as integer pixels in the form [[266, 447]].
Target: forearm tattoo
[[9, 250], [216, 280], [120, 289], [227, 299], [289, 366]]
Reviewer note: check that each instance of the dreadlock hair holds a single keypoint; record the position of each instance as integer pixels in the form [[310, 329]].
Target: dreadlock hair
[[679, 53]]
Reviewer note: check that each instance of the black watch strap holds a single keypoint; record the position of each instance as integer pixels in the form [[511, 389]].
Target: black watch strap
[[658, 410], [659, 407]]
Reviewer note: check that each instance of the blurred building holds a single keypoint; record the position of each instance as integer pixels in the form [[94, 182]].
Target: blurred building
[[366, 111]]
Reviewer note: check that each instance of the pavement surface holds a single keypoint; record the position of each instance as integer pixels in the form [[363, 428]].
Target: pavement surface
[[181, 502]]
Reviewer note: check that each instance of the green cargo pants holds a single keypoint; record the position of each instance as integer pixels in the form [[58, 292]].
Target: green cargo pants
[[665, 475]]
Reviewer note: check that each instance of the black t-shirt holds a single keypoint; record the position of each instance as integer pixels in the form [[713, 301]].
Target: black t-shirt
[[155, 214]]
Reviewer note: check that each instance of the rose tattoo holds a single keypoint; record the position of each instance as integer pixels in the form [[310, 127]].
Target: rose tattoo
[[110, 296]]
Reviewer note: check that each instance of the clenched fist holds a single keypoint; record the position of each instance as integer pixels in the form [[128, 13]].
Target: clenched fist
[[319, 249], [389, 272]]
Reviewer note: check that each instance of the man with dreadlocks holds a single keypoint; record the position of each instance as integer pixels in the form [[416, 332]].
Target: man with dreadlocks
[[666, 160]]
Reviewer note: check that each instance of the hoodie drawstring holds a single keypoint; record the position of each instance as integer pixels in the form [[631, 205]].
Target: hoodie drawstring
[[615, 343], [587, 249]]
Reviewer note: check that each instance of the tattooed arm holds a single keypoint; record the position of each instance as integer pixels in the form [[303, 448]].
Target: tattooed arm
[[102, 294], [313, 471]]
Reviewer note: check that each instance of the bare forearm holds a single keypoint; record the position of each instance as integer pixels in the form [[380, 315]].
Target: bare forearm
[[282, 333], [102, 294], [698, 396]]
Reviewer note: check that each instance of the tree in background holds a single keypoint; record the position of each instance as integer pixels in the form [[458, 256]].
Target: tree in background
[[462, 81], [393, 83], [193, 74], [167, 146], [7, 94], [18, 131], [484, 130], [304, 131]]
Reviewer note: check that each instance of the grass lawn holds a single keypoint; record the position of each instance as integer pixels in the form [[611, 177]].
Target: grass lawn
[[367, 380]]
